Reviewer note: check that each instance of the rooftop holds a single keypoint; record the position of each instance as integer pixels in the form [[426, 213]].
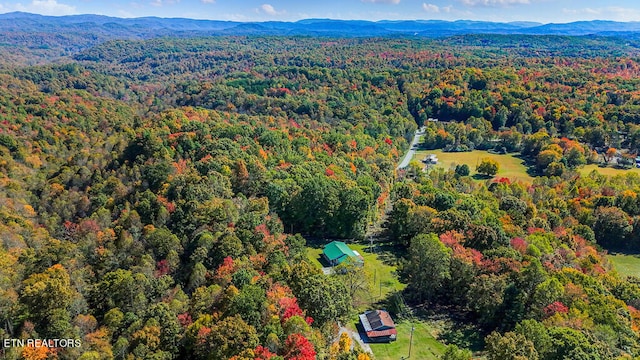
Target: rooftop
[[337, 249], [376, 320]]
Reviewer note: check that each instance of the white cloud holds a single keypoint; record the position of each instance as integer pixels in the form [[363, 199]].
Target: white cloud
[[47, 7], [164, 2], [606, 13], [581, 11], [382, 1], [270, 10], [494, 3], [235, 17], [208, 1], [125, 14], [431, 8]]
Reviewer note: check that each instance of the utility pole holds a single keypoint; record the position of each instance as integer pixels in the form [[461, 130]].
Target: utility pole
[[411, 340], [374, 276]]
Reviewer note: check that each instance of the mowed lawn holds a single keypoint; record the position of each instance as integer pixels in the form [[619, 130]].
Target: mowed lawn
[[609, 171], [313, 255], [626, 264], [424, 345], [510, 166], [381, 277]]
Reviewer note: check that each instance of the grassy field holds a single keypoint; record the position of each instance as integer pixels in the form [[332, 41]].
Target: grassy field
[[381, 276], [626, 264], [424, 344], [510, 166], [609, 171], [313, 255], [378, 271]]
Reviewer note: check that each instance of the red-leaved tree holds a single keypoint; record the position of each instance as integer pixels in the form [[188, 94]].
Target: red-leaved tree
[[297, 347]]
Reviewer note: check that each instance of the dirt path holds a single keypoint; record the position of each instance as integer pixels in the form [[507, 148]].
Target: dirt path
[[375, 233], [355, 336]]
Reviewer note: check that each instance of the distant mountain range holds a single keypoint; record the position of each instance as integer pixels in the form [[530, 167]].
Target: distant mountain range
[[111, 27]]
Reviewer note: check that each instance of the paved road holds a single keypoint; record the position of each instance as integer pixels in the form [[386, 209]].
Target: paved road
[[409, 155]]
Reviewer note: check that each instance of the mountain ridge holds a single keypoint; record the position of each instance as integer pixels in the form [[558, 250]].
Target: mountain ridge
[[156, 26]]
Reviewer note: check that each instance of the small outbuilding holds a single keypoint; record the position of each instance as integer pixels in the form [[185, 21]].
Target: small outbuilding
[[378, 326], [336, 252], [430, 159]]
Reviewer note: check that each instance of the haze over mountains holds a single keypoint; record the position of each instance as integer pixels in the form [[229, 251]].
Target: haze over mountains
[[30, 39], [152, 26]]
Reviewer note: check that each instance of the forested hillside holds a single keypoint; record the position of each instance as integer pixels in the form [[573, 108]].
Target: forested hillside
[[157, 195]]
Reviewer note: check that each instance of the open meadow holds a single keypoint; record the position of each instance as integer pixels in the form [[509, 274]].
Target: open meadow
[[381, 277], [511, 166], [382, 281], [625, 264], [609, 171]]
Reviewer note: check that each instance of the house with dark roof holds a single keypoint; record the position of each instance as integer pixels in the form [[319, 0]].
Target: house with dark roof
[[336, 252], [378, 326]]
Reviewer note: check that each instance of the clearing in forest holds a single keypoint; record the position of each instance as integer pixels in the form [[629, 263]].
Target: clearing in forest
[[626, 264], [511, 166]]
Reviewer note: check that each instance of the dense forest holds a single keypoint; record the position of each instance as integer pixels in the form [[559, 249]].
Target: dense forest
[[158, 196]]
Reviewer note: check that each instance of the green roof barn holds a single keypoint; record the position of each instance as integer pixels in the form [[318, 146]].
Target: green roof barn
[[337, 252]]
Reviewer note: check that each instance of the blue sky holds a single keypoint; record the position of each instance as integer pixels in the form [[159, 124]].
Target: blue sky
[[544, 11]]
